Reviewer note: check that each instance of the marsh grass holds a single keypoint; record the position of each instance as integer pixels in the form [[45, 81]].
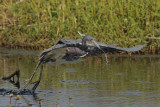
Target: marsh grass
[[40, 23]]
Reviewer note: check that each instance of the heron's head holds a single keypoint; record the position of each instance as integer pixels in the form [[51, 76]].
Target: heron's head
[[88, 40]]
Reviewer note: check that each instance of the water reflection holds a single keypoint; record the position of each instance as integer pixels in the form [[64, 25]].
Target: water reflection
[[127, 81]]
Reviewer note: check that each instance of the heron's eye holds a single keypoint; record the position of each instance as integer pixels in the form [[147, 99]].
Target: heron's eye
[[92, 41], [86, 42]]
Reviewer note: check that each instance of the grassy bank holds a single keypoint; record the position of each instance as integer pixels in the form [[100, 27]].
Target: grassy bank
[[40, 23]]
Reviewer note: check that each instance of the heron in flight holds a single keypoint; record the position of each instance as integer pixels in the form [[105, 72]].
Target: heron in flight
[[70, 50]]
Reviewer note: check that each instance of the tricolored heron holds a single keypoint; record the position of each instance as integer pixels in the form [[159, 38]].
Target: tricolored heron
[[69, 50]]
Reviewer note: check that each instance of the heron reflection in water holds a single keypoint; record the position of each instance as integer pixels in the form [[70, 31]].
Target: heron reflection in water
[[70, 50]]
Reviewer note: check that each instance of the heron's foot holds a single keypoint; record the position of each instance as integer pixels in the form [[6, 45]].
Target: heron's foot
[[26, 84], [27, 80], [36, 85], [34, 82], [20, 91]]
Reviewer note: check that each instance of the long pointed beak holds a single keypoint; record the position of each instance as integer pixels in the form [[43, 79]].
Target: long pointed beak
[[96, 44], [100, 49]]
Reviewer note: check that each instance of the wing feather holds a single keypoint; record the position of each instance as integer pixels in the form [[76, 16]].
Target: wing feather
[[113, 48]]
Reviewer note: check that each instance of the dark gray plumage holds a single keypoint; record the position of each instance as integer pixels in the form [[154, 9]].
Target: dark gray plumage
[[70, 50]]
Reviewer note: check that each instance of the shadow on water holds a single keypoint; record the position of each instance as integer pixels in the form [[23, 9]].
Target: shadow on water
[[127, 81]]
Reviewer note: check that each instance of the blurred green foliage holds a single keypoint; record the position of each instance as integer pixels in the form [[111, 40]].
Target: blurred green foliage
[[40, 23]]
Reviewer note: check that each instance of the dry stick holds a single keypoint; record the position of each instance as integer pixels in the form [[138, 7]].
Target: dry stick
[[12, 75], [81, 34]]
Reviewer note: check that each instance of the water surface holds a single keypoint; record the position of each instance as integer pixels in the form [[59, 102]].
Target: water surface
[[127, 81]]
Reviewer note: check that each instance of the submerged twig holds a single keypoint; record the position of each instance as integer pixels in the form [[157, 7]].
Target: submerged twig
[[11, 78]]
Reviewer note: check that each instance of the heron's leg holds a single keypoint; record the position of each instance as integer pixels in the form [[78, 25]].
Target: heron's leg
[[38, 81], [29, 81]]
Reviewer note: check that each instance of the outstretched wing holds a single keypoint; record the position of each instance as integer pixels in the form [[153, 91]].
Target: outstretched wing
[[113, 48], [43, 53], [65, 49], [62, 43], [70, 50]]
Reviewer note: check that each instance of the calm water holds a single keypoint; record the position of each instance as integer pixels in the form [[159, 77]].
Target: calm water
[[127, 81]]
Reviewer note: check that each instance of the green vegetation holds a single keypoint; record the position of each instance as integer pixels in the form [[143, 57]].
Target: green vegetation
[[40, 23]]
